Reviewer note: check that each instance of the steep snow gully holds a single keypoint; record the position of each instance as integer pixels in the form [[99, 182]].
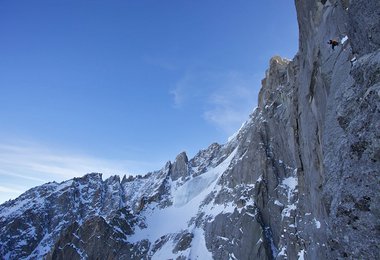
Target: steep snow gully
[[299, 180]]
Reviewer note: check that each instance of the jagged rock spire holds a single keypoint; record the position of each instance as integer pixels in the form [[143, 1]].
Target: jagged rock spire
[[179, 168]]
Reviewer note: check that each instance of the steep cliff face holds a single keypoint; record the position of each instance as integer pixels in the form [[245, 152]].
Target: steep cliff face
[[338, 94], [299, 180]]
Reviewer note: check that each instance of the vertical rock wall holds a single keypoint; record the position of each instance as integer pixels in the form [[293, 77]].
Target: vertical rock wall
[[300, 180], [311, 148], [321, 119]]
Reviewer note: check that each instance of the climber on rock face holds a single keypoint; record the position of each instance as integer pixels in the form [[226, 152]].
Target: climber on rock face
[[333, 43]]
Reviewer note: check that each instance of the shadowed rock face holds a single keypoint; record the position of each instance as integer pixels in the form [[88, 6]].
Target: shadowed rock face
[[364, 26], [299, 179], [180, 167], [95, 239]]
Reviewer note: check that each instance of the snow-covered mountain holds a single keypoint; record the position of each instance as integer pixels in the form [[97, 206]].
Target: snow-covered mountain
[[299, 180], [159, 215]]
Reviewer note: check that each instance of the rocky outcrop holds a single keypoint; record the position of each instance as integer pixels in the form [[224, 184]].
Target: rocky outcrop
[[299, 180], [180, 167], [363, 26], [40, 217], [97, 239], [339, 124]]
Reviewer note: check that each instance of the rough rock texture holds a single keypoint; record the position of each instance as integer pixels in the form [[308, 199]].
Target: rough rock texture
[[180, 167], [299, 180]]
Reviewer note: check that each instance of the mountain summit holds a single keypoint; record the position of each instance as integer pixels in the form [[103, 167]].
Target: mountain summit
[[299, 180]]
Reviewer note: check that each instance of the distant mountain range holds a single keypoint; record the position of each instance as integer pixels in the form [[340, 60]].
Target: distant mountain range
[[299, 180]]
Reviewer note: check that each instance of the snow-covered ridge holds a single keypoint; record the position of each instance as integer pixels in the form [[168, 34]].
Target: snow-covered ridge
[[187, 200], [153, 197], [298, 181]]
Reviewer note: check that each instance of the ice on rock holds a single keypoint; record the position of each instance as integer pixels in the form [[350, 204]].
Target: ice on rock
[[290, 184], [317, 223], [301, 255], [344, 39], [316, 114], [187, 200], [195, 186]]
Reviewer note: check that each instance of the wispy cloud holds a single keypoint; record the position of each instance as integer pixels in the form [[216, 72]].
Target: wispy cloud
[[184, 89], [227, 97], [10, 190], [24, 165], [46, 162], [231, 103]]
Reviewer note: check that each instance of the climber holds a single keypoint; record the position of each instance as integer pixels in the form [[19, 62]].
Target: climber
[[333, 43]]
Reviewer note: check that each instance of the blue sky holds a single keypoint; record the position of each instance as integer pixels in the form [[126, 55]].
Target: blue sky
[[123, 86]]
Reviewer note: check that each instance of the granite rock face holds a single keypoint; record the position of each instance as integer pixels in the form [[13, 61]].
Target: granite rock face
[[299, 180], [180, 167]]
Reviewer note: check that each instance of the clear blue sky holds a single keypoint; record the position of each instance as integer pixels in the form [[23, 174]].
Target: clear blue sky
[[123, 86]]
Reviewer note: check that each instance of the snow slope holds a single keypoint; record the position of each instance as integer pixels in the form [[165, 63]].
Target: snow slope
[[187, 200]]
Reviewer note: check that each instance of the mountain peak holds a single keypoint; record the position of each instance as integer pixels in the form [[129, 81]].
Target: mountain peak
[[179, 168], [299, 180]]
